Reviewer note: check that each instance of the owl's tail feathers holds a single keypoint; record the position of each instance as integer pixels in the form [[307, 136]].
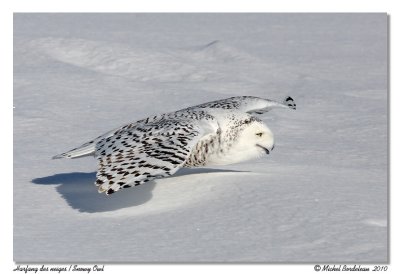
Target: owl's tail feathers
[[289, 102], [87, 149]]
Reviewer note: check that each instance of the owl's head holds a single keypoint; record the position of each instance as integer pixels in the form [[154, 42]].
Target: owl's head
[[255, 139]]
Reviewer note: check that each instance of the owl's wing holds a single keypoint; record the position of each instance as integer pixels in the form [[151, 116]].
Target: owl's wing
[[133, 156], [249, 104], [266, 105]]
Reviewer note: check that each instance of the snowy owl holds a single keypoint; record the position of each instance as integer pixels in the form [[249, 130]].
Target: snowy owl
[[216, 133]]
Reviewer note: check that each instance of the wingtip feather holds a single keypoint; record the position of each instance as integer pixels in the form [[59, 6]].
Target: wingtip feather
[[290, 102]]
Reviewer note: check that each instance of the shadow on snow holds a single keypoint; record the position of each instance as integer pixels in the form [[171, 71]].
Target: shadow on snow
[[79, 191]]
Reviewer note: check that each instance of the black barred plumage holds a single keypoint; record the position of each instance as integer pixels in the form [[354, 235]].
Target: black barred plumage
[[217, 132]]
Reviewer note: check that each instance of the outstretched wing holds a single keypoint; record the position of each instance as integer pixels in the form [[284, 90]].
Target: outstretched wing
[[267, 105], [249, 104], [133, 156]]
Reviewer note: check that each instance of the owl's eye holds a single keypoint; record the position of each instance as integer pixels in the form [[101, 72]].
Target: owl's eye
[[260, 134]]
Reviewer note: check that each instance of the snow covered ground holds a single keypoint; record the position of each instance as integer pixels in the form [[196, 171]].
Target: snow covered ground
[[320, 196]]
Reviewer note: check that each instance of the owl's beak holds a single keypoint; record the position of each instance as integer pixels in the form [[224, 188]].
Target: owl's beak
[[265, 149]]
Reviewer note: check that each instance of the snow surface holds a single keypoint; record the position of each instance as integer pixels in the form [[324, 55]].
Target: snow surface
[[320, 196]]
